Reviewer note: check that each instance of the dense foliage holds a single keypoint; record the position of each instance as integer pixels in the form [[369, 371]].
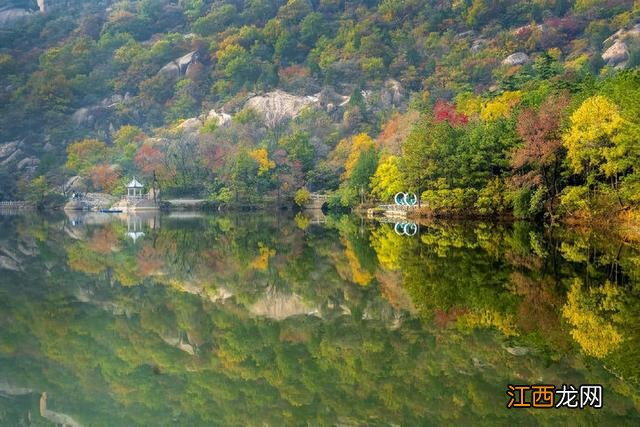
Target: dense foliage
[[488, 107]]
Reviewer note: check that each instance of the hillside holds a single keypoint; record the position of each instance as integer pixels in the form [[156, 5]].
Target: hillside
[[486, 106]]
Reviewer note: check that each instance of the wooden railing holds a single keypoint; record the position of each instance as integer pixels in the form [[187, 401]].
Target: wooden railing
[[16, 205]]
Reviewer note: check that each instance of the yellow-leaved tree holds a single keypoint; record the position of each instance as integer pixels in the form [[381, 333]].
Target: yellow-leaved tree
[[261, 156], [598, 139], [359, 144], [585, 310], [387, 180], [501, 106]]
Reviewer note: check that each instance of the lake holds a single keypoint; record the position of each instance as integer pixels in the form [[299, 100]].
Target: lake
[[261, 319]]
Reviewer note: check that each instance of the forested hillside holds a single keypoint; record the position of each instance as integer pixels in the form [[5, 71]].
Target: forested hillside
[[489, 107]]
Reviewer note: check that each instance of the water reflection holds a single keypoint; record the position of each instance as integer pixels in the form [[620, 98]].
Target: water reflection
[[252, 319]]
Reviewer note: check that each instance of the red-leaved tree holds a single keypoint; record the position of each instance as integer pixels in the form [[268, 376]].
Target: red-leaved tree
[[444, 111], [538, 160]]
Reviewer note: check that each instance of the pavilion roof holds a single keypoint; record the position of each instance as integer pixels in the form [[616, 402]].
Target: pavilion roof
[[134, 184]]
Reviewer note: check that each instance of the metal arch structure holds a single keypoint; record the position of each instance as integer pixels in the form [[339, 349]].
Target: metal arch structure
[[406, 228], [405, 199]]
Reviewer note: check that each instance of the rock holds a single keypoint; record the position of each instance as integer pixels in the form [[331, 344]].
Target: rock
[[518, 58], [393, 93], [12, 158], [221, 294], [75, 184], [518, 351], [28, 164], [222, 118], [622, 34], [9, 148], [7, 389], [617, 55], [192, 125], [57, 418], [7, 263], [178, 67], [11, 17], [178, 342], [278, 306], [92, 202], [465, 34], [477, 45], [90, 115], [329, 99], [278, 106]]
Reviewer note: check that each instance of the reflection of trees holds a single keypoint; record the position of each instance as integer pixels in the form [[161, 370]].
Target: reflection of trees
[[151, 353]]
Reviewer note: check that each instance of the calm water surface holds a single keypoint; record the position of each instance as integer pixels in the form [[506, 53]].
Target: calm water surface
[[258, 320]]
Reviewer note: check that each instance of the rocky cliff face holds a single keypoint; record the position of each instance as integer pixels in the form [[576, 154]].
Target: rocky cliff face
[[278, 106], [616, 52]]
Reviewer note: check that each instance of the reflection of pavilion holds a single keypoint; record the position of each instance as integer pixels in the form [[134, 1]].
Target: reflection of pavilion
[[137, 222], [134, 227]]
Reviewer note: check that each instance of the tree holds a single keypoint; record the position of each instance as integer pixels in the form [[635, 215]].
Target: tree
[[261, 156], [104, 177], [501, 106], [299, 148], [357, 145], [302, 197], [446, 112], [150, 160], [595, 141], [387, 180], [539, 160], [126, 141], [84, 154]]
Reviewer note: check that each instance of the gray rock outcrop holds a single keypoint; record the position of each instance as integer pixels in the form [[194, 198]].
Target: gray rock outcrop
[[179, 67], [11, 17], [616, 48], [617, 55], [91, 202], [278, 306], [277, 106], [518, 58], [222, 118]]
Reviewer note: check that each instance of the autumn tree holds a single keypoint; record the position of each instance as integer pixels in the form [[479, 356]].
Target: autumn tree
[[83, 155], [600, 142], [150, 160], [538, 161], [387, 180], [104, 177]]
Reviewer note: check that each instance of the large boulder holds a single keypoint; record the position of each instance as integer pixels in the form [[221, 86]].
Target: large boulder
[[11, 16], [329, 99], [392, 93], [277, 106], [518, 58], [75, 184], [28, 165], [9, 148], [180, 67], [616, 48], [191, 126], [617, 55], [222, 118], [91, 202], [279, 306], [99, 115]]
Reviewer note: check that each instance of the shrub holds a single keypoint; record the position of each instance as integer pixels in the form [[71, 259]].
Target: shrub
[[302, 197]]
